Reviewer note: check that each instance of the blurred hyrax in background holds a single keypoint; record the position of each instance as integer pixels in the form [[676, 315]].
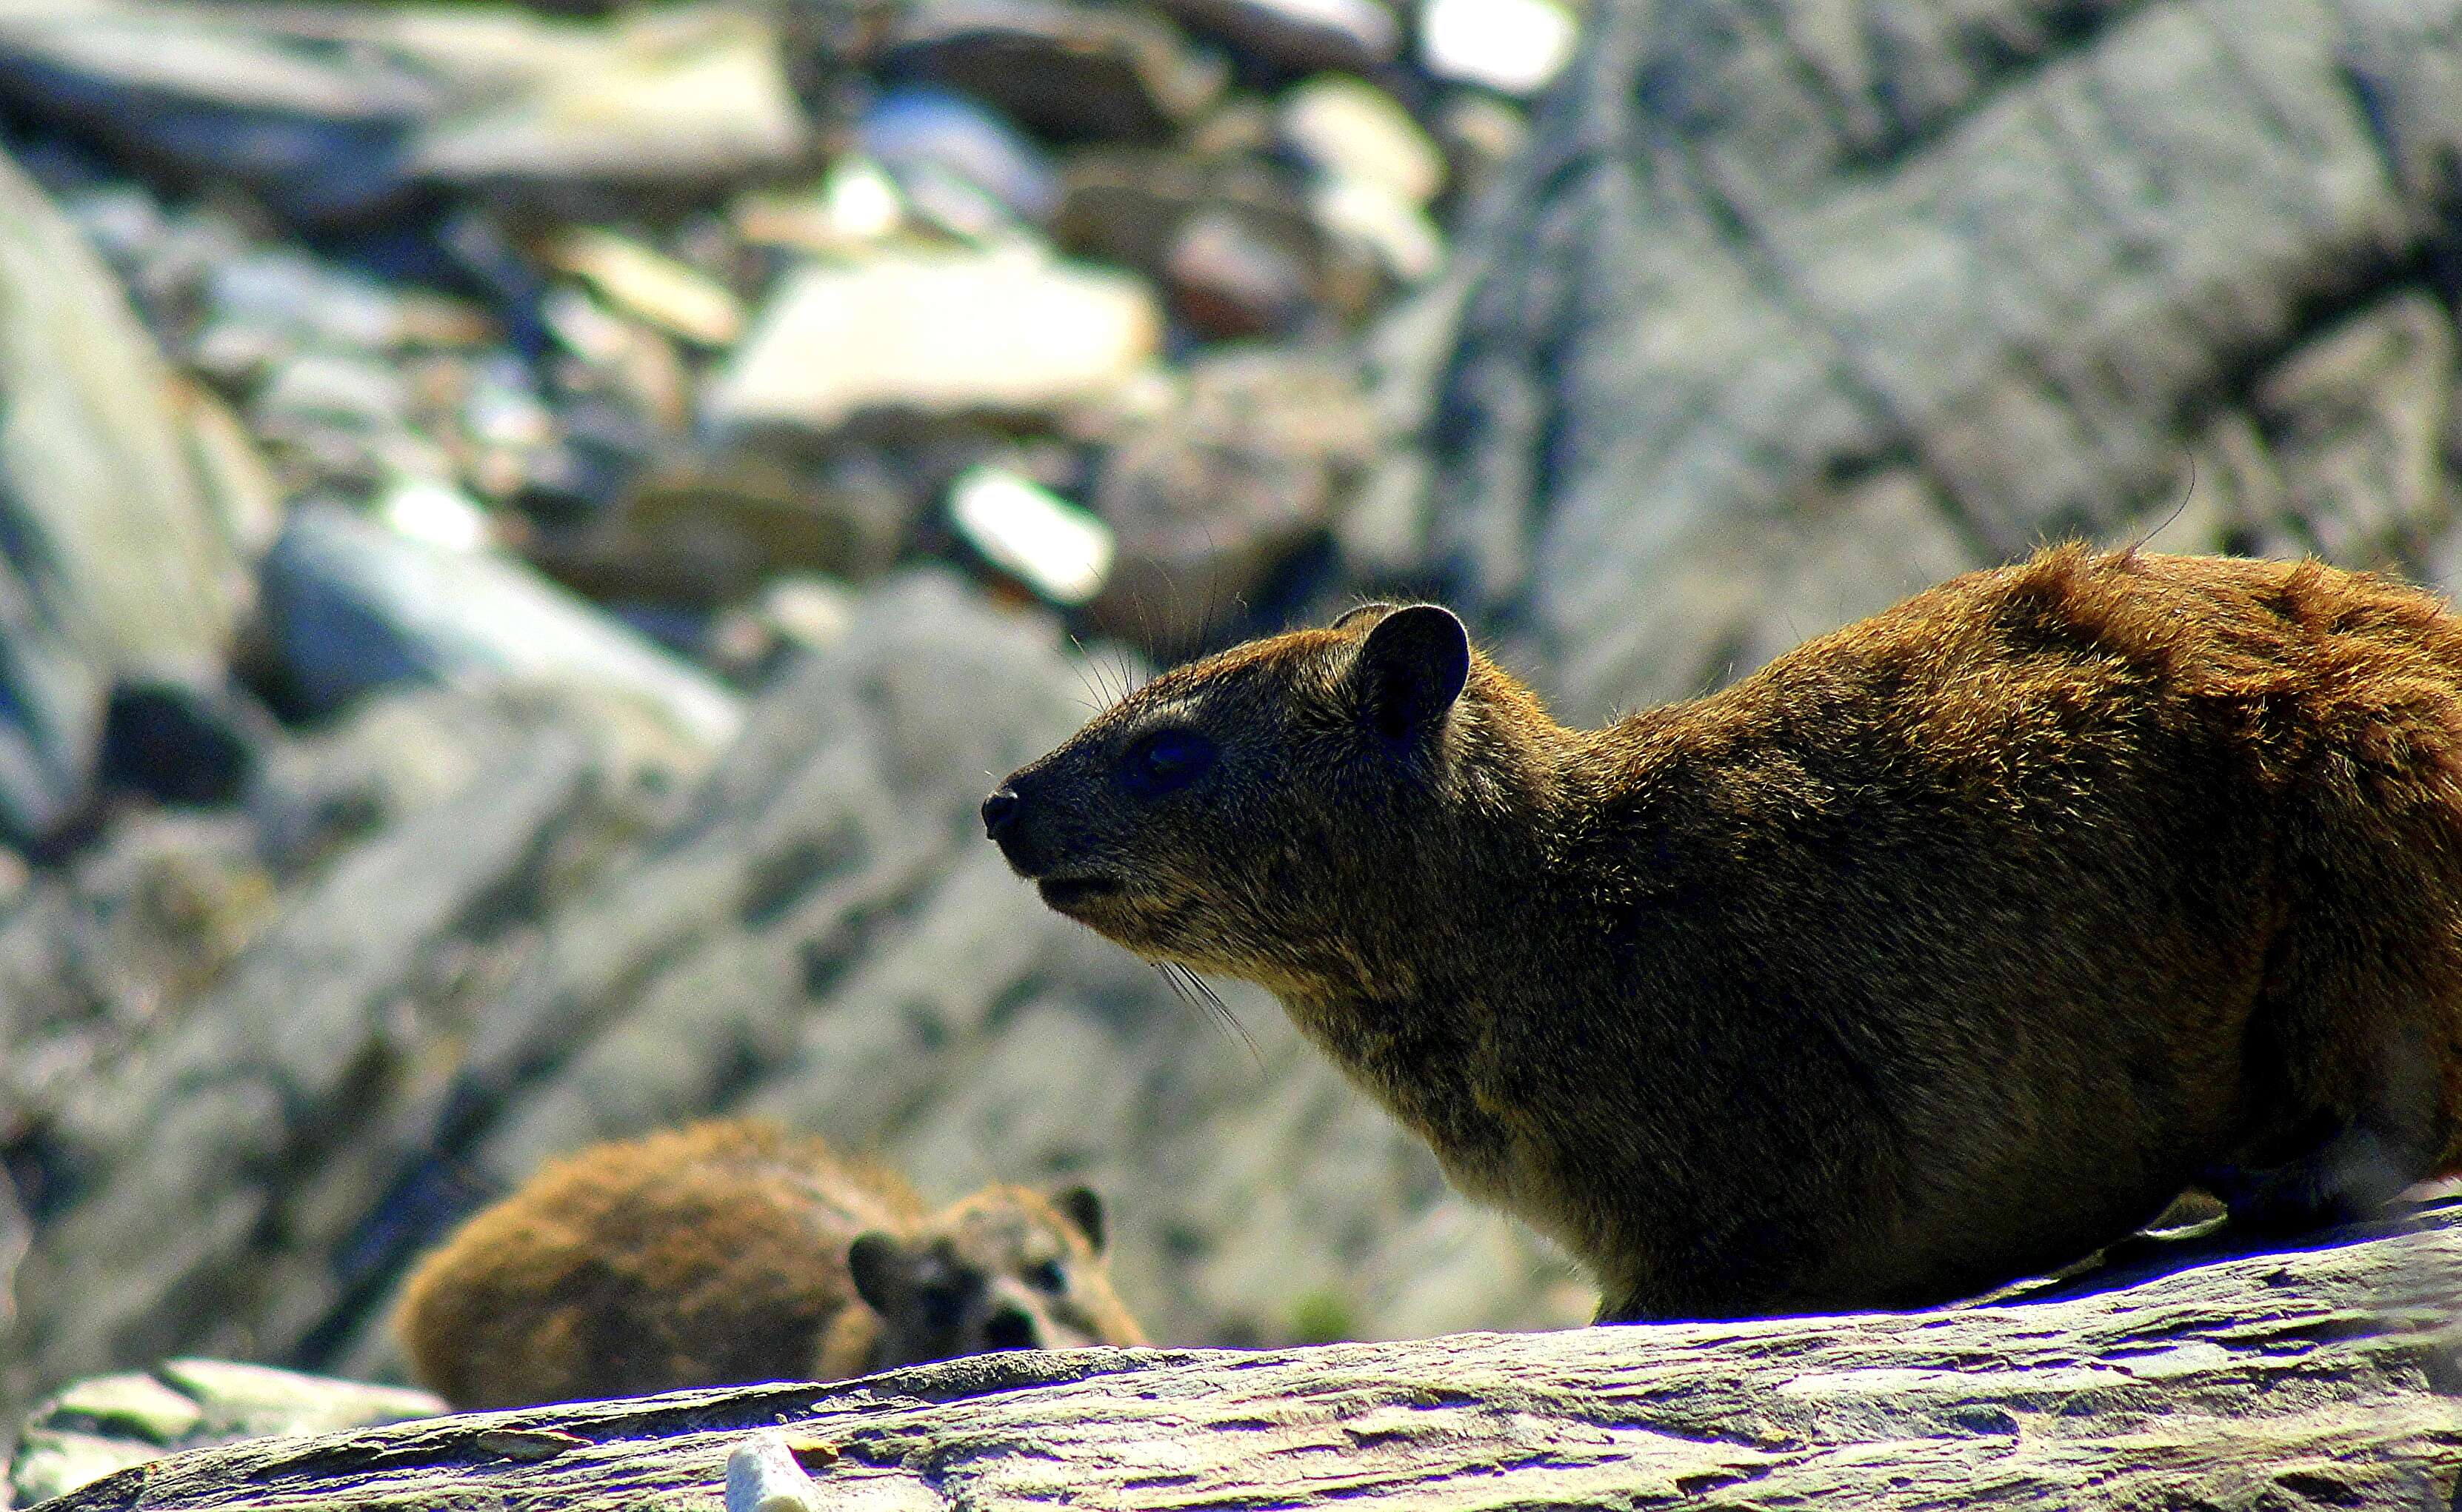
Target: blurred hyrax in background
[[729, 1252]]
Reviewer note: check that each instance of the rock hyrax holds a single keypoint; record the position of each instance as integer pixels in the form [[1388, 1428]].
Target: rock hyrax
[[1944, 948], [729, 1252]]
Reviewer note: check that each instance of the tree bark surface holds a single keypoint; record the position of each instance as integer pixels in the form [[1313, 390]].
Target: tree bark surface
[[2325, 1376]]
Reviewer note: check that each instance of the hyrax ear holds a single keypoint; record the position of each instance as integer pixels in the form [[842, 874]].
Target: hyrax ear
[[877, 1262], [1411, 668], [1083, 1207]]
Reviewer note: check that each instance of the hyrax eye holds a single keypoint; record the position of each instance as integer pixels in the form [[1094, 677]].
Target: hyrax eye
[[1047, 1276], [1165, 762]]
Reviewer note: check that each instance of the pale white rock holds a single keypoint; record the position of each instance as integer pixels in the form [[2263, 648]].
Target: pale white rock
[[102, 500], [937, 333], [265, 1399], [128, 1404], [436, 512], [855, 206], [667, 97], [1352, 129], [1517, 46], [241, 491], [763, 1476], [1371, 215], [1060, 551], [585, 327], [806, 610], [334, 389], [681, 300], [861, 201]]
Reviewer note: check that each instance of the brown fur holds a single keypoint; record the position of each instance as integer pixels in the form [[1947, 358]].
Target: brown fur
[[719, 1254], [1944, 948]]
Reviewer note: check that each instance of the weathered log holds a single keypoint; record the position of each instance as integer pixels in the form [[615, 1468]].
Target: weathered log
[[2326, 1375]]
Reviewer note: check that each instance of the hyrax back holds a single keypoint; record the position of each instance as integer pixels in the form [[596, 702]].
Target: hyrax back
[[1946, 947], [729, 1252]]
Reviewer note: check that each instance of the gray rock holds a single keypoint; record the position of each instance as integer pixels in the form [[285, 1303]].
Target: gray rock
[[47, 745], [476, 957], [1062, 68], [2359, 419], [1208, 499], [1482, 136], [92, 952], [403, 752], [708, 526], [915, 132], [334, 115], [753, 641], [202, 91], [1744, 272], [1228, 281], [1240, 241], [107, 1423], [243, 1122], [114, 556], [53, 1463], [1127, 205], [2339, 447], [330, 390], [352, 606], [1355, 36], [284, 290], [235, 1401], [2232, 498], [241, 495]]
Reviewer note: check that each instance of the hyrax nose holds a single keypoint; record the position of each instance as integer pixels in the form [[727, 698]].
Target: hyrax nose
[[999, 813], [1009, 1328]]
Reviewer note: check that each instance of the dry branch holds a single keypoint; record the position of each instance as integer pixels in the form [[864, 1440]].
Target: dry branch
[[2327, 1376]]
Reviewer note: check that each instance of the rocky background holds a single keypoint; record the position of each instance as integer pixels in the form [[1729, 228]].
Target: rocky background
[[528, 538], [524, 536]]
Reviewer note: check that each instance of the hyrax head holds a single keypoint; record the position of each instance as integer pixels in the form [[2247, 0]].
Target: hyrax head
[[1005, 1269], [1230, 814]]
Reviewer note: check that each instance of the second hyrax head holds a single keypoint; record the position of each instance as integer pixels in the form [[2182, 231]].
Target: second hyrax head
[[1232, 813], [1005, 1269]]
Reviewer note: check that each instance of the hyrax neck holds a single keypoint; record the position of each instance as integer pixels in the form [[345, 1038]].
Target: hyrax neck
[[1457, 940], [1461, 1021]]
